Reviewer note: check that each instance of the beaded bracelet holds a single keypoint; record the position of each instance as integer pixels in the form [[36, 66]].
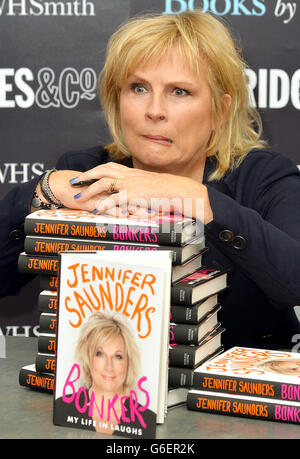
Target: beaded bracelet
[[47, 192]]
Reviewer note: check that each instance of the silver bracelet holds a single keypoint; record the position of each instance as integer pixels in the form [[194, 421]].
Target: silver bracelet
[[47, 192]]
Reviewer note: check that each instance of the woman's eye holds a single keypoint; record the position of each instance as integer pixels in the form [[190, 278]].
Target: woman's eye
[[119, 357], [180, 92], [98, 354], [138, 88]]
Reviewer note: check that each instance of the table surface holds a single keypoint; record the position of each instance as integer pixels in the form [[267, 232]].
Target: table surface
[[25, 413]]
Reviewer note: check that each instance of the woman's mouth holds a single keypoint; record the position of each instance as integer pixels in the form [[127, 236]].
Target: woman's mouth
[[158, 139]]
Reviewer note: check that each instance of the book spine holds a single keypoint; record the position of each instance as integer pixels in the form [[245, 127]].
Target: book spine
[[105, 232], [48, 323], [181, 295], [48, 302], [51, 246], [180, 377], [34, 264], [48, 282], [243, 407], [36, 381], [183, 333], [247, 386], [45, 363], [182, 356], [47, 344], [184, 314]]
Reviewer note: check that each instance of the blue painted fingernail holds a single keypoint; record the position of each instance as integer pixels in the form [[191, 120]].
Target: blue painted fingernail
[[150, 211], [77, 195], [73, 180], [95, 211]]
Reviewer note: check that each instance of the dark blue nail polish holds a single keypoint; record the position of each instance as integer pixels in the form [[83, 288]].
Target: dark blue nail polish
[[95, 211], [124, 211], [77, 195], [73, 180]]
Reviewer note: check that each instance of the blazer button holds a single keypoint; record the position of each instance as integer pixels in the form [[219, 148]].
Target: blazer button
[[226, 235], [239, 243], [16, 235]]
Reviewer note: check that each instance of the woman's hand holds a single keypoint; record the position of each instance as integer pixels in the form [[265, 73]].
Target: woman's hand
[[136, 191]]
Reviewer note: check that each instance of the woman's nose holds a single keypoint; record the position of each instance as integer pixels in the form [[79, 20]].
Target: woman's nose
[[156, 110]]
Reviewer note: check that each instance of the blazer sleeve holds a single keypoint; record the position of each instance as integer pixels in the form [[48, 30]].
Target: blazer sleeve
[[258, 226], [13, 209]]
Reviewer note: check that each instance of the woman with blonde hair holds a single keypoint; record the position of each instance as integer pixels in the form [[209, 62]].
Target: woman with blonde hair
[[174, 92]]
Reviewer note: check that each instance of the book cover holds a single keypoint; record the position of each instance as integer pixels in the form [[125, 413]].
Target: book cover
[[253, 372], [199, 285], [48, 282], [243, 406], [112, 342], [166, 230], [52, 246]]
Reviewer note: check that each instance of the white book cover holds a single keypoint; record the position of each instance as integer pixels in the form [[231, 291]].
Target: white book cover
[[112, 342]]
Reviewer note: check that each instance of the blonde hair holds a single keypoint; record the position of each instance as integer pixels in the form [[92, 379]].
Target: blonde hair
[[200, 38], [99, 329]]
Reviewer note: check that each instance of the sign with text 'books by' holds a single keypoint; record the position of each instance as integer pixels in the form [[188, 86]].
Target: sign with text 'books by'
[[112, 342], [165, 229]]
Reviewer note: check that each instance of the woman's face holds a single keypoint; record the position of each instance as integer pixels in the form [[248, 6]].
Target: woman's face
[[166, 115], [109, 366]]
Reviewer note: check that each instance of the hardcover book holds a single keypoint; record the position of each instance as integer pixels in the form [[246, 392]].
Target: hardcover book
[[31, 378], [252, 372], [188, 355], [243, 406], [52, 246], [166, 230], [193, 314], [49, 265], [199, 285], [112, 342]]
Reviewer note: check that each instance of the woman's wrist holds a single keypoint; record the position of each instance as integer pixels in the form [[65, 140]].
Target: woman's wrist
[[43, 196]]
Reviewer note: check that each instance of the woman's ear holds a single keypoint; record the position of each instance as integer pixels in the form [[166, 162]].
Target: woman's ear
[[226, 104]]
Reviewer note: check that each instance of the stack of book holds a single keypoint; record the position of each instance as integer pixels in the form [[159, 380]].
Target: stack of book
[[248, 382], [195, 332]]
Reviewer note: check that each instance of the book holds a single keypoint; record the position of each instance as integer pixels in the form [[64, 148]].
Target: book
[[252, 372], [48, 322], [47, 343], [112, 342], [177, 396], [31, 378], [49, 265], [184, 376], [47, 301], [45, 363], [243, 406], [48, 282], [188, 355], [193, 314], [52, 246], [199, 285], [164, 230], [194, 333]]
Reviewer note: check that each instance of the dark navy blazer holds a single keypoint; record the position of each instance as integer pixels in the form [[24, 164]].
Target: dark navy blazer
[[255, 233]]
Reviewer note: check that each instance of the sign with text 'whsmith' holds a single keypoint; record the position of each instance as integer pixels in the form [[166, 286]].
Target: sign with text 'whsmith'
[[51, 53]]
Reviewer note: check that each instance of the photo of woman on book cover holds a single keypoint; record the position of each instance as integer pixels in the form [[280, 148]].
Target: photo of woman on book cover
[[112, 398], [282, 366]]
